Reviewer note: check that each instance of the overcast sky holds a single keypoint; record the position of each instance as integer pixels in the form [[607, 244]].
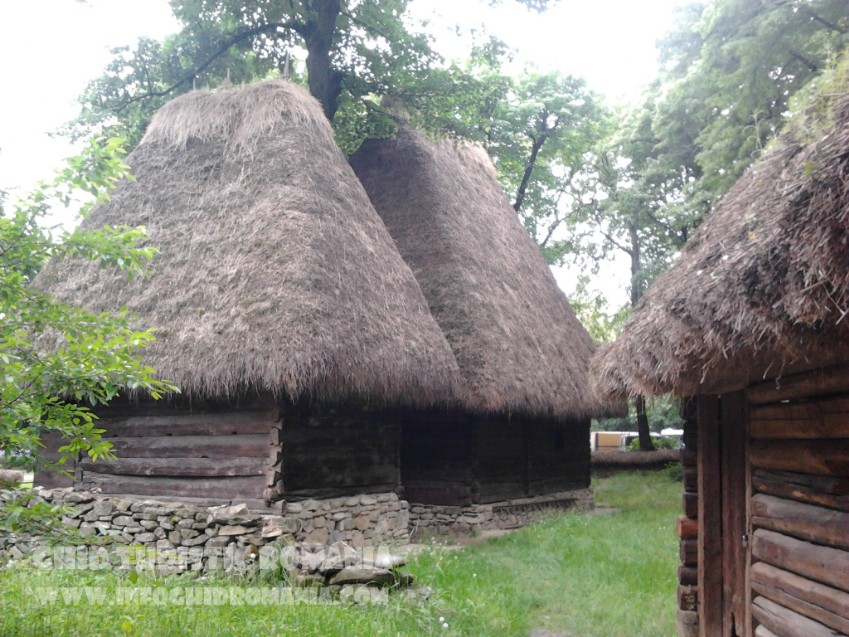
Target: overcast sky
[[50, 49]]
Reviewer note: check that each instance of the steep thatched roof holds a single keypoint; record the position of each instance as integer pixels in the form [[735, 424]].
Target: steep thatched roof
[[763, 286], [274, 271], [518, 343]]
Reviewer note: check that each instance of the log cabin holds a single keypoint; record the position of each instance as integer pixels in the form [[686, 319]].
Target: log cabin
[[521, 425], [283, 311], [749, 325]]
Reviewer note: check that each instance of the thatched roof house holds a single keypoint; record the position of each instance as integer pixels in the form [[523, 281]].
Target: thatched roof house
[[750, 324], [523, 355], [518, 343], [763, 285], [276, 283], [274, 271]]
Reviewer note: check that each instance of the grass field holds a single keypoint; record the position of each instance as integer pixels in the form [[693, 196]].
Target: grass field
[[583, 575]]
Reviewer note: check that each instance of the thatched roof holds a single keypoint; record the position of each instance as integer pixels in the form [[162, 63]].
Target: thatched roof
[[763, 286], [274, 271], [518, 343]]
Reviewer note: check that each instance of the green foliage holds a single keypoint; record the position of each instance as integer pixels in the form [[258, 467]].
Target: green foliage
[[659, 443], [674, 471], [346, 52], [59, 360], [24, 512]]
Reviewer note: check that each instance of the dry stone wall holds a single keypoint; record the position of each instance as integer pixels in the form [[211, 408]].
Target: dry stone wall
[[186, 537], [509, 514]]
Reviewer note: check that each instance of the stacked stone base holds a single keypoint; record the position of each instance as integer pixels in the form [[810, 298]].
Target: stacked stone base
[[178, 537], [508, 514]]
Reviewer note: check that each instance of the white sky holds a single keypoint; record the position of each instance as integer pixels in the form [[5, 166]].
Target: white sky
[[50, 49]]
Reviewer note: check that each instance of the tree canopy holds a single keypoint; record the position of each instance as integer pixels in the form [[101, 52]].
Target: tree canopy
[[59, 360]]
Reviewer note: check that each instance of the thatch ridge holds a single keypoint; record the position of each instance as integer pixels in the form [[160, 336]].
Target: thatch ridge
[[520, 348], [764, 283], [274, 271]]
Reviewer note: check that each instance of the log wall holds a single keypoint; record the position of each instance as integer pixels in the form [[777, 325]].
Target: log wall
[[328, 452], [800, 505], [205, 451], [462, 460]]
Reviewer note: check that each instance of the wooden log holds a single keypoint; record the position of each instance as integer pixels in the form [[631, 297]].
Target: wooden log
[[688, 597], [818, 457], [786, 622], [821, 563], [763, 631], [691, 479], [829, 380], [690, 505], [688, 458], [275, 437], [821, 490], [182, 424], [53, 479], [686, 528], [688, 623], [178, 467], [823, 419], [214, 488], [803, 521], [822, 603], [688, 575], [688, 551], [734, 419], [244, 445]]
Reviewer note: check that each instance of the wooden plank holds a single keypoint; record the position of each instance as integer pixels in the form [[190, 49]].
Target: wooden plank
[[245, 445], [178, 467], [832, 493], [763, 631], [821, 419], [821, 563], [214, 488], [734, 418], [803, 521], [787, 623], [819, 382], [181, 424], [710, 518], [822, 603], [817, 457]]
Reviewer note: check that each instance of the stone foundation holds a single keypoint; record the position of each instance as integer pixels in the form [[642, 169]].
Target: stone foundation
[[187, 537], [508, 514]]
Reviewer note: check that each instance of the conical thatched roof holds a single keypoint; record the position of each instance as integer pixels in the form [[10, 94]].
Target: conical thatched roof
[[274, 271], [763, 286], [518, 343]]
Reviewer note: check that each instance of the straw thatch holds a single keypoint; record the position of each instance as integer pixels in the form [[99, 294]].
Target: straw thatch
[[274, 271], [763, 285], [518, 343]]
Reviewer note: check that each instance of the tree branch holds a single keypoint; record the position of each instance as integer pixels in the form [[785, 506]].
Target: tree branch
[[232, 41]]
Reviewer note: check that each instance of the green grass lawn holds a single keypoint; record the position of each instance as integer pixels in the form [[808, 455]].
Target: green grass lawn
[[582, 575]]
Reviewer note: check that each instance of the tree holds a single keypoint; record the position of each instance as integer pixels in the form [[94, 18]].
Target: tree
[[354, 53], [730, 68], [59, 360]]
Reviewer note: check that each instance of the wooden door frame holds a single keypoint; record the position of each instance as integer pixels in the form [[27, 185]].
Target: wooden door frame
[[723, 487]]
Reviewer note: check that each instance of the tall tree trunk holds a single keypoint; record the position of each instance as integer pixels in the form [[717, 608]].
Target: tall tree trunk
[[325, 82], [643, 430]]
